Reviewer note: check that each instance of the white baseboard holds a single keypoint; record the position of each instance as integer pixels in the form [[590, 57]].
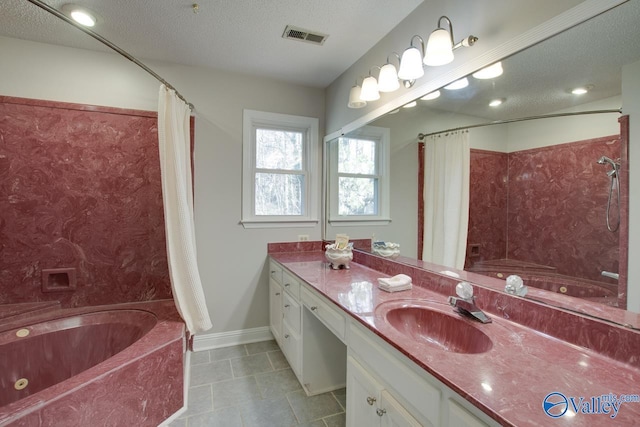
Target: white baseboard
[[226, 339]]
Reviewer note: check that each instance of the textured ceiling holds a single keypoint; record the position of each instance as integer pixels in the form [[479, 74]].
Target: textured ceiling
[[236, 35], [539, 79]]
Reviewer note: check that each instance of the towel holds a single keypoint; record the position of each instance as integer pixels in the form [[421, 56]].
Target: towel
[[400, 282]]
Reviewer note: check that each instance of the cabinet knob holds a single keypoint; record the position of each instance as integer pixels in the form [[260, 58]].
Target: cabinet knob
[[371, 400], [286, 336], [314, 308], [287, 306], [381, 412]]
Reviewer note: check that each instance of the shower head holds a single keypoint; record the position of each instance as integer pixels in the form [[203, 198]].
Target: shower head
[[615, 166], [604, 159]]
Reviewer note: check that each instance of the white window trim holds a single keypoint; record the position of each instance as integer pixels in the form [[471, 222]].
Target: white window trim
[[383, 135], [251, 120]]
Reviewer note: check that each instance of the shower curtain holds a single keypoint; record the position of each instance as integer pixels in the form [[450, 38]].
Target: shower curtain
[[446, 198], [177, 195]]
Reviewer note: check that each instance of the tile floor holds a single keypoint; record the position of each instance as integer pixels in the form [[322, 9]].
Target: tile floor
[[252, 385]]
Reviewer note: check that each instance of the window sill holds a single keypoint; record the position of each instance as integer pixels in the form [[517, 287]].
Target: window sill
[[256, 223], [359, 222]]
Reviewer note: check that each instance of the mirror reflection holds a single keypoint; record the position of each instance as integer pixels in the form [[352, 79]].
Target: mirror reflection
[[545, 198]]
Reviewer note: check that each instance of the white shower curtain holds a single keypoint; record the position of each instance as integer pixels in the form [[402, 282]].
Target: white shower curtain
[[446, 199], [177, 195]]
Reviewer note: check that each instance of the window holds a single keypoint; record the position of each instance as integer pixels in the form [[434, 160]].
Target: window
[[280, 178], [359, 177]]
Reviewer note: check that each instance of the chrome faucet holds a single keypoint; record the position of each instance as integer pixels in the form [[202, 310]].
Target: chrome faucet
[[465, 303]]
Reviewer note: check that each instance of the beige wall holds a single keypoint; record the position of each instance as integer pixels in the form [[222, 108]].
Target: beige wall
[[231, 259]]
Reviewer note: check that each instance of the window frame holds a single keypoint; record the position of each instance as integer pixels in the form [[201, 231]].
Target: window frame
[[308, 126], [382, 136]]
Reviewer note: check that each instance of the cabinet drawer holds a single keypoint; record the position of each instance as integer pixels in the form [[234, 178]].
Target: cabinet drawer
[[275, 271], [332, 318], [291, 344], [291, 284], [291, 310]]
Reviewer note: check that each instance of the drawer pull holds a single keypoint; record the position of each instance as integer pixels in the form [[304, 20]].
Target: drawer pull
[[273, 271], [381, 412], [314, 308], [277, 293], [371, 400], [287, 306], [287, 285], [286, 336]]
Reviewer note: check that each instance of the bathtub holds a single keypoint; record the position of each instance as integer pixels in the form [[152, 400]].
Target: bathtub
[[543, 277], [94, 366]]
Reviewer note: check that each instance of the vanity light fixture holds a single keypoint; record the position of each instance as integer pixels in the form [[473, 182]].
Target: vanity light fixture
[[490, 72], [388, 78], [411, 61], [440, 45], [410, 104], [432, 95], [354, 97], [81, 15], [496, 102], [370, 88], [458, 84]]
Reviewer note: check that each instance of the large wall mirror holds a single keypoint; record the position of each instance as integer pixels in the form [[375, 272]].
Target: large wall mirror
[[544, 200]]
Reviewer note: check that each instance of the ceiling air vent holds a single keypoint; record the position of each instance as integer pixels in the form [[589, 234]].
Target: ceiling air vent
[[295, 33]]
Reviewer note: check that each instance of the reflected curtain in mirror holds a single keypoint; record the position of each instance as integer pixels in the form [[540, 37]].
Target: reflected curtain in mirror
[[446, 198]]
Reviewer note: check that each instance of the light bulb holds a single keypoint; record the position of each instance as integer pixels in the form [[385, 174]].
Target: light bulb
[[411, 64]]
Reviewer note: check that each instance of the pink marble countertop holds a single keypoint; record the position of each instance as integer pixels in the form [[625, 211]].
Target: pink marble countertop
[[508, 382]]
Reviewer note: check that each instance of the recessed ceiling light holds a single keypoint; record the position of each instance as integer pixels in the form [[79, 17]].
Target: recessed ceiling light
[[580, 90], [490, 72], [458, 84], [410, 104], [81, 15], [496, 102], [433, 95]]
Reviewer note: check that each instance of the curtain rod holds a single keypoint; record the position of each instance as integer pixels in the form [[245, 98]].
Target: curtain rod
[[422, 136], [109, 44]]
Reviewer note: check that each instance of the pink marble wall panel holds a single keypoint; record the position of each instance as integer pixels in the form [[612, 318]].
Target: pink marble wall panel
[[80, 188], [557, 208], [488, 194], [294, 247]]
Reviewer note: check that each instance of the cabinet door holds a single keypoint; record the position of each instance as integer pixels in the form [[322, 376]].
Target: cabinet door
[[275, 310], [363, 394], [392, 414], [460, 417]]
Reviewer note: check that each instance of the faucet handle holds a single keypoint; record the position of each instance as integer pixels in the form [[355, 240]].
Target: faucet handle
[[464, 290]]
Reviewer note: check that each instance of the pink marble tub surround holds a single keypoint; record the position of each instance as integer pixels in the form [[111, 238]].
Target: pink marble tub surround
[[80, 188], [144, 381], [522, 366]]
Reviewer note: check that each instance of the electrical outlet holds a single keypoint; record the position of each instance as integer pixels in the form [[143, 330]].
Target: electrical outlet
[[303, 237]]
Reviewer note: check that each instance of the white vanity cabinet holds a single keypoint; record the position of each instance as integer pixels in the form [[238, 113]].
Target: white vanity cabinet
[[297, 320], [275, 310], [275, 301], [327, 349], [369, 404]]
